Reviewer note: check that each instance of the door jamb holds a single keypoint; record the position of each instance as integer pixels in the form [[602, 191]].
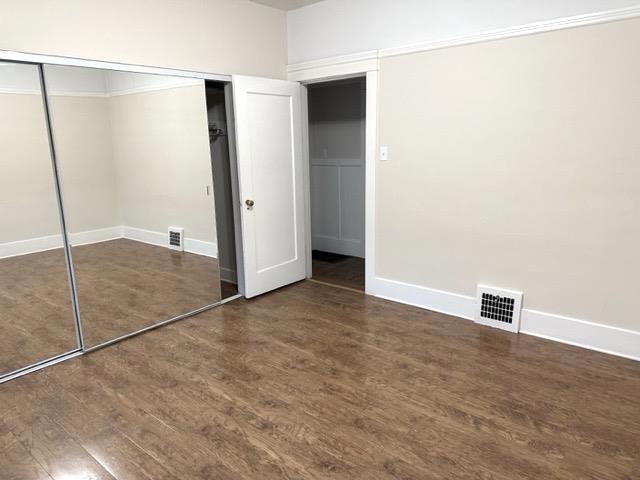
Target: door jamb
[[322, 71]]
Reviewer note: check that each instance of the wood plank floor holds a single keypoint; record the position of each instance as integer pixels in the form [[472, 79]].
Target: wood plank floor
[[338, 270], [315, 382], [124, 285], [36, 318]]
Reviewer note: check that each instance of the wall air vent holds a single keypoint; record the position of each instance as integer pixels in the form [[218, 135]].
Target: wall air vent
[[499, 308], [176, 238]]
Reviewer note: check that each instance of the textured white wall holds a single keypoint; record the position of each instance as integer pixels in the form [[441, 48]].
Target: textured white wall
[[339, 27]]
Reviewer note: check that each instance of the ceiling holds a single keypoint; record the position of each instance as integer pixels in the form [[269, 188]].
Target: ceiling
[[286, 4]]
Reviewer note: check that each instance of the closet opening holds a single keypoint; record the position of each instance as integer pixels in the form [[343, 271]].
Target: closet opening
[[337, 120], [223, 166]]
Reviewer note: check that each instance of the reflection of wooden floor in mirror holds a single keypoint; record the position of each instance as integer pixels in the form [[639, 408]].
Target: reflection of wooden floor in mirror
[[124, 285], [36, 319]]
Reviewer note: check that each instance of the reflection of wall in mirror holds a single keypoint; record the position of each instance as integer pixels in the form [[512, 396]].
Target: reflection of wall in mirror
[[28, 205], [133, 155]]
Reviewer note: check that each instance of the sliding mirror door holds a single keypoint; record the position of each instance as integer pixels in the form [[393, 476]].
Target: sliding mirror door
[[36, 316], [135, 174]]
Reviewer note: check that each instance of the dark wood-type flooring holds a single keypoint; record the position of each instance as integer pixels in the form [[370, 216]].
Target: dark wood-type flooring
[[122, 286], [316, 382], [36, 318], [338, 270]]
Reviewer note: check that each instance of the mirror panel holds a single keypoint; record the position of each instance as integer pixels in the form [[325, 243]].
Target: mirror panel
[[36, 316], [134, 163]]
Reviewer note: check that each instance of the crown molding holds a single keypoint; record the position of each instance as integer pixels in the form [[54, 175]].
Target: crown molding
[[517, 31], [369, 59], [331, 61], [344, 66]]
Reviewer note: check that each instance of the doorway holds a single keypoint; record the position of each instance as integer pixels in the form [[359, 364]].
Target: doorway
[[337, 152]]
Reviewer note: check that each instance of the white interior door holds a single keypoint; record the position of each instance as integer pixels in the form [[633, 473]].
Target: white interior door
[[269, 148]]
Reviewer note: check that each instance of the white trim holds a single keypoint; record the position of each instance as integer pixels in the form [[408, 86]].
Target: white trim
[[62, 93], [31, 245], [333, 68], [341, 246], [154, 88], [124, 67], [306, 176], [51, 242], [428, 298], [332, 61], [371, 147], [191, 245], [580, 333], [19, 91], [201, 247], [516, 31], [345, 65], [326, 72], [95, 236], [115, 93]]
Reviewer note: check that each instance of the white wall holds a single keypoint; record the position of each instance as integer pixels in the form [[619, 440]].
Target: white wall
[[339, 27], [132, 151], [219, 36], [133, 154], [516, 163], [28, 205], [337, 172], [161, 152], [83, 141]]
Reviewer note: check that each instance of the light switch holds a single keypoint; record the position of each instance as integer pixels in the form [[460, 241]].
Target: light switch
[[384, 153]]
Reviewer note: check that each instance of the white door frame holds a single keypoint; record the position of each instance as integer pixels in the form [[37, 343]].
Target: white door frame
[[336, 69]]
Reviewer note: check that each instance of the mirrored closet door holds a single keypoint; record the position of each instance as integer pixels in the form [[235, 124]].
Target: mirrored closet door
[[135, 174], [36, 315]]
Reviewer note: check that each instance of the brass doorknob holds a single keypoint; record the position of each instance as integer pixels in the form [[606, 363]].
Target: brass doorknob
[[249, 203]]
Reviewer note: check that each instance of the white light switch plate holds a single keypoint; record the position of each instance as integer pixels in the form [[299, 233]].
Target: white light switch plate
[[384, 153]]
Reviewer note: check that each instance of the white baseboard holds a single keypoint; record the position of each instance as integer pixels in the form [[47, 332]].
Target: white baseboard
[[50, 242], [32, 245], [199, 247], [423, 297], [580, 333], [95, 236], [352, 248]]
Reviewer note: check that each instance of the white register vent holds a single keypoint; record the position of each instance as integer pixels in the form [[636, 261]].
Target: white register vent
[[499, 308]]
